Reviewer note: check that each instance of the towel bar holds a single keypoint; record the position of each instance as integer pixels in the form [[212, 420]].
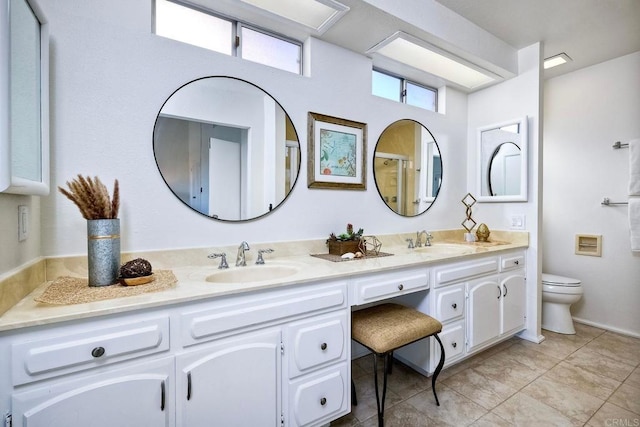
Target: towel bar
[[618, 144], [607, 202]]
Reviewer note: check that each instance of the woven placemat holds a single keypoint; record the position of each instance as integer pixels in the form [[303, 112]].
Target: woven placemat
[[67, 290], [338, 258]]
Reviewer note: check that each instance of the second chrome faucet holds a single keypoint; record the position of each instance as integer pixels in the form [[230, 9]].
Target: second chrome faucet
[[241, 260]]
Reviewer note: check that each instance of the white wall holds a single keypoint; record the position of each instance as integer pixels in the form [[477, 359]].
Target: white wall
[[513, 99], [110, 76], [585, 113], [13, 253]]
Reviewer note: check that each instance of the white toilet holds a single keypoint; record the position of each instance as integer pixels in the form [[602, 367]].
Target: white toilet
[[558, 293]]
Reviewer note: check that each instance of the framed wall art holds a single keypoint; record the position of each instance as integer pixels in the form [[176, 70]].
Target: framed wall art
[[337, 153]]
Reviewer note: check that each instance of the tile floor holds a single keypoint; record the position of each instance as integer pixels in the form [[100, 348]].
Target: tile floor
[[588, 379]]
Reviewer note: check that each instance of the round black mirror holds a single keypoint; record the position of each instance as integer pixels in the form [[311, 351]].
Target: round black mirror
[[226, 148], [407, 167]]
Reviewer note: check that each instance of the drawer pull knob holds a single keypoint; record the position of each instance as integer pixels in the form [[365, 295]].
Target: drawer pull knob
[[516, 262], [323, 346], [97, 352], [454, 344], [401, 286], [323, 401], [454, 305]]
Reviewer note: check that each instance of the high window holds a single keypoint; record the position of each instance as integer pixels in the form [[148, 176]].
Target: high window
[[202, 28], [402, 90]]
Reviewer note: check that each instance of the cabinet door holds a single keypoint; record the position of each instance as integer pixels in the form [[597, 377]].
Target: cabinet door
[[483, 320], [513, 302], [234, 382], [140, 396]]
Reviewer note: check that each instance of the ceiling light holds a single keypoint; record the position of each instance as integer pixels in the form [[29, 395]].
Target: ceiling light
[[316, 14], [424, 56], [556, 60]]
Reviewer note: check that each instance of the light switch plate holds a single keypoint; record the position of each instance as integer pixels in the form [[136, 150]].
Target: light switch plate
[[517, 222]]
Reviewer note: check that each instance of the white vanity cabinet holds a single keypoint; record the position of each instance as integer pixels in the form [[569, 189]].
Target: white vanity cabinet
[[141, 395], [91, 374], [265, 359], [235, 381], [273, 357], [496, 306], [479, 302]]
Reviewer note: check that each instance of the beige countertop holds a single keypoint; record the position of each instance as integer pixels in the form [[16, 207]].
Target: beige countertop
[[191, 268]]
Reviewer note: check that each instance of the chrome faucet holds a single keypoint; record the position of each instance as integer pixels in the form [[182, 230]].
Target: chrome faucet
[[260, 259], [223, 259], [427, 238], [240, 259]]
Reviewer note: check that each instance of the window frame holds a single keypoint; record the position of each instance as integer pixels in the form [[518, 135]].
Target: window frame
[[238, 42], [403, 89], [236, 28]]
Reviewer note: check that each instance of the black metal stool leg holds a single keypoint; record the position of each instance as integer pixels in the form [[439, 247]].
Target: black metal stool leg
[[375, 382], [438, 369], [384, 390]]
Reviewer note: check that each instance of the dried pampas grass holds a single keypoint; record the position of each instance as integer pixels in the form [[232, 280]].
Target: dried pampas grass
[[92, 197]]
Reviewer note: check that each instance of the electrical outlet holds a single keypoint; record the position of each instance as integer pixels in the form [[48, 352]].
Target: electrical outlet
[[23, 223], [517, 222]]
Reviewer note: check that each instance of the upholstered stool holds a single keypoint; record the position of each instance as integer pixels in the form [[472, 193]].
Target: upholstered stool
[[387, 327]]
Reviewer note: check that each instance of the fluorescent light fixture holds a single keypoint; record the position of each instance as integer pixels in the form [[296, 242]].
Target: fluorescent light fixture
[[555, 60], [316, 14], [424, 56]]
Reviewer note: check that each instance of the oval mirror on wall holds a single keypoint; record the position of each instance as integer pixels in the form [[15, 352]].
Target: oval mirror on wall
[[226, 148], [407, 167]]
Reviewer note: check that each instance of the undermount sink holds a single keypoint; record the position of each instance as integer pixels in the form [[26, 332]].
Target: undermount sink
[[254, 273], [446, 249]]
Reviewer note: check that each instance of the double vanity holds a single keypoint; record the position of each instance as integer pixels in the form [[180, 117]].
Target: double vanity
[[269, 342]]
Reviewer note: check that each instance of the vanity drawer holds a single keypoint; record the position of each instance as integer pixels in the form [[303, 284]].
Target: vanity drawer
[[319, 397], [461, 271], [316, 342], [452, 337], [512, 261], [70, 349], [449, 302], [222, 318], [389, 285]]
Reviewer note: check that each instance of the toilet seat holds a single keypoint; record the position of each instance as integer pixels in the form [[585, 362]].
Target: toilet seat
[[554, 280], [565, 290]]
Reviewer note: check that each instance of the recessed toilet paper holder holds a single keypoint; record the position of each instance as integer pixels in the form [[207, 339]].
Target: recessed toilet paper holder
[[589, 244]]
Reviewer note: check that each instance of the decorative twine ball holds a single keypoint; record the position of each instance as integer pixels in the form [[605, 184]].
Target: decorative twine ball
[[135, 268], [483, 232]]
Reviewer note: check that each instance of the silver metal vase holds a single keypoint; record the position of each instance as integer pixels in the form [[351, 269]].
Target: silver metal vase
[[103, 239]]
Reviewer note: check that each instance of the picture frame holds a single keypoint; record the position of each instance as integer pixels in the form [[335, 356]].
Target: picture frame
[[337, 153]]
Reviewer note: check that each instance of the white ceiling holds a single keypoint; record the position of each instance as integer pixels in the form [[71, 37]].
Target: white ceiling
[[589, 31]]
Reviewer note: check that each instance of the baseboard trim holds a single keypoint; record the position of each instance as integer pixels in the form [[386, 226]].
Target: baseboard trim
[[530, 337], [607, 327]]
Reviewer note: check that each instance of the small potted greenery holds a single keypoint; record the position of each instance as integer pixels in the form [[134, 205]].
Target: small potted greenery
[[345, 242]]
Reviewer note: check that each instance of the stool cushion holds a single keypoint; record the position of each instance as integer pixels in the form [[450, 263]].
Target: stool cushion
[[386, 327]]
